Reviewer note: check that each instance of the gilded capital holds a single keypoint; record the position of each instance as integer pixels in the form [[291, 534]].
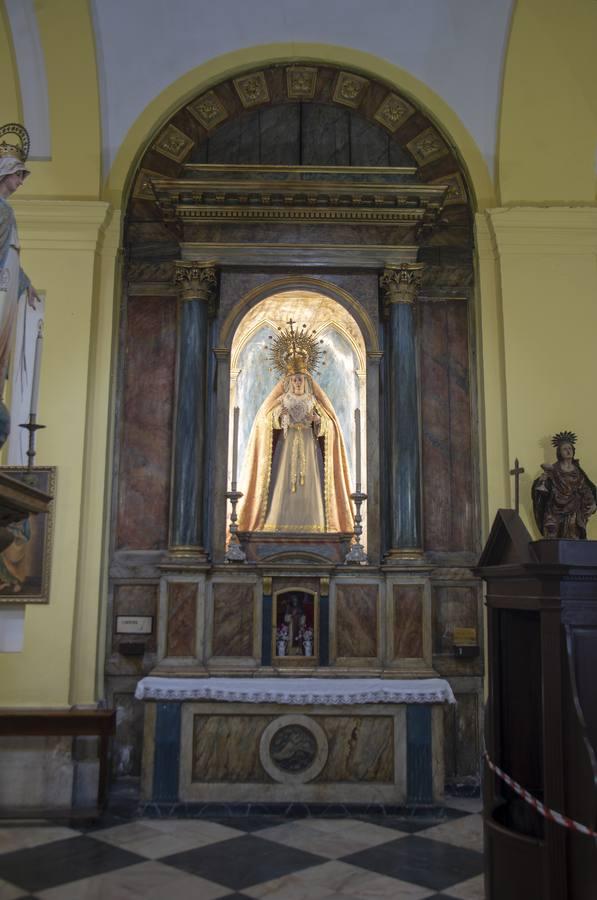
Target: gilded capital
[[401, 284], [196, 280]]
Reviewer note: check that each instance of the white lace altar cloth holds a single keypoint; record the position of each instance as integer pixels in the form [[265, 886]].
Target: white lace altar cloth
[[298, 691]]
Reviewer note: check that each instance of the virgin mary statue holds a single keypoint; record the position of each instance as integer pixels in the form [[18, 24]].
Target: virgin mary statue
[[295, 474]]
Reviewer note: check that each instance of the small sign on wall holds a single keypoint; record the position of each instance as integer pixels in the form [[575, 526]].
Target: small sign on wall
[[134, 624]]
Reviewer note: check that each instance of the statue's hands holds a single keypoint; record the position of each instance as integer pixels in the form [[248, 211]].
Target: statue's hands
[[33, 297]]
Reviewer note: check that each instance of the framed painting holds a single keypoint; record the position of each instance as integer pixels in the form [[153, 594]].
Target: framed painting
[[25, 564]]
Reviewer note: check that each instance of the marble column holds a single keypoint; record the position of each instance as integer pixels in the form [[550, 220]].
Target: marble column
[[196, 283], [400, 285]]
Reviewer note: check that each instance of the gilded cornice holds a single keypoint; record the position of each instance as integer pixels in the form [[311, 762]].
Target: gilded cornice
[[364, 196]]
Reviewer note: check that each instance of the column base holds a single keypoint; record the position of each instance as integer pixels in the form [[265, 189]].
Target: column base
[[399, 555], [185, 557]]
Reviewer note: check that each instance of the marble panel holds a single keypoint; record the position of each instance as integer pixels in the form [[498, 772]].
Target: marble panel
[[220, 743], [280, 135], [146, 433], [369, 144], [435, 420], [360, 748], [356, 620], [460, 427], [354, 234], [453, 607], [408, 621], [226, 748], [233, 619], [446, 419], [325, 137], [235, 142], [182, 618], [135, 600]]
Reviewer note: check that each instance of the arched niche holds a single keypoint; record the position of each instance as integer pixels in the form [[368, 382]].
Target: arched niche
[[342, 374]]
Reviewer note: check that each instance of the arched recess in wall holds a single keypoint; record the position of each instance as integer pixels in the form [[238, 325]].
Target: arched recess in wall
[[299, 114], [292, 114]]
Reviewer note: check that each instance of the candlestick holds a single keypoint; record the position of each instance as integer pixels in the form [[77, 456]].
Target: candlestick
[[357, 428], [234, 551], [31, 426], [357, 554], [235, 448], [36, 370]]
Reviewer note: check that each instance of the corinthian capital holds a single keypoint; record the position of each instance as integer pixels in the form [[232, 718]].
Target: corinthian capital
[[401, 284], [196, 280]]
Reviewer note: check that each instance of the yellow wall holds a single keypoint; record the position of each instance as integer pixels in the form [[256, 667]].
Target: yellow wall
[[548, 128], [59, 246], [10, 97], [547, 267], [71, 257]]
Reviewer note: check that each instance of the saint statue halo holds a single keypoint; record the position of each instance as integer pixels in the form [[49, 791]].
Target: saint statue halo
[[294, 476]]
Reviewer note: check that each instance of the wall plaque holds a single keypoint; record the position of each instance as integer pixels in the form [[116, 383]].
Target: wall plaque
[[134, 624]]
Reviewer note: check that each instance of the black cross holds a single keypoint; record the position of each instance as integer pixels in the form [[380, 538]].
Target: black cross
[[517, 472]]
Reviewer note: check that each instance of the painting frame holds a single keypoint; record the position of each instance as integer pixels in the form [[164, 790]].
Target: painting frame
[[25, 565]]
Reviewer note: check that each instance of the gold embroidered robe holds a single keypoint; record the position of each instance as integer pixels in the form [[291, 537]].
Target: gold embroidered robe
[[268, 473]]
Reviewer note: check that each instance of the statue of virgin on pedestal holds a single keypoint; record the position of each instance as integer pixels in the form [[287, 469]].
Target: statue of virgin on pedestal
[[13, 281], [295, 475]]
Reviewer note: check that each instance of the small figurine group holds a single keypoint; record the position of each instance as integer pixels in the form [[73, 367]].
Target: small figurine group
[[564, 497]]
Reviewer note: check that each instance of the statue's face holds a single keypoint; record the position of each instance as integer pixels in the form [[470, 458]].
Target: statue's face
[[566, 451], [297, 384], [10, 183]]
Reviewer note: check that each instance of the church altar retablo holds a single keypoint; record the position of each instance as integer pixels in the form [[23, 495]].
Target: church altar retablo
[[295, 491]]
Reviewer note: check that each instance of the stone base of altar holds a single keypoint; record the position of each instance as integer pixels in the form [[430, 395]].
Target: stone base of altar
[[284, 547], [332, 751]]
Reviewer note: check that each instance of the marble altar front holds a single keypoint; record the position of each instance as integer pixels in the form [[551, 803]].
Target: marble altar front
[[280, 740]]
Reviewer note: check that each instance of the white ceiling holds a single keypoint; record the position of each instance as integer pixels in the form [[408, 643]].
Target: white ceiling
[[456, 47]]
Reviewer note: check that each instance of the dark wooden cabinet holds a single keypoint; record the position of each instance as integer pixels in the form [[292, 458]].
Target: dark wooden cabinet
[[541, 722]]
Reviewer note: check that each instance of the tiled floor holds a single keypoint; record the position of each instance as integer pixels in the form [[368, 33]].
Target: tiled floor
[[418, 857]]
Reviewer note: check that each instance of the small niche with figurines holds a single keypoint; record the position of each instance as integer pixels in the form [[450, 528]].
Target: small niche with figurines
[[295, 638]]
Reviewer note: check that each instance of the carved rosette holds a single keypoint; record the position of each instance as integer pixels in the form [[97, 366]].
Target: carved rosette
[[196, 281], [401, 284]]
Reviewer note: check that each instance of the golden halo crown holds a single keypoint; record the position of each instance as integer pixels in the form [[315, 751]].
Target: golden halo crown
[[295, 351], [18, 151], [563, 437]]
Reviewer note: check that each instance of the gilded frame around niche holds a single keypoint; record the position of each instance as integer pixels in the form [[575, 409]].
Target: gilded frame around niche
[[25, 565], [311, 598]]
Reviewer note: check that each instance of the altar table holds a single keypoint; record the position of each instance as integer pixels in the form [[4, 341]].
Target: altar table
[[308, 740]]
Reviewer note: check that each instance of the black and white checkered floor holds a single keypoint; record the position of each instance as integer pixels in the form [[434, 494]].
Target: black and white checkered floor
[[417, 855]]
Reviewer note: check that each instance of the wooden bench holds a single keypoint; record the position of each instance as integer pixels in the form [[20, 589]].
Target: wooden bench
[[60, 723]]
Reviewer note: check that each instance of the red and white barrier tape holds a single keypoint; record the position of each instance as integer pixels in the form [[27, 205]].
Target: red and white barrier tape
[[544, 811]]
